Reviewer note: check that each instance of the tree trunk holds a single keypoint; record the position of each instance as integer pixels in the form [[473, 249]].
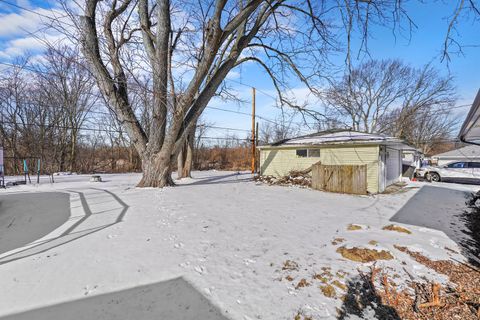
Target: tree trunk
[[157, 172], [180, 163], [187, 166], [185, 158], [73, 152]]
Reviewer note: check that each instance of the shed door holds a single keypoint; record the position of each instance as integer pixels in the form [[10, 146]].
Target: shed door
[[393, 165]]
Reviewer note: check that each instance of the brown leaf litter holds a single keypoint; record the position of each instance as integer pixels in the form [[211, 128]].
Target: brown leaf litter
[[328, 290], [336, 241], [424, 300], [302, 283], [353, 227], [290, 265], [393, 227], [363, 254]]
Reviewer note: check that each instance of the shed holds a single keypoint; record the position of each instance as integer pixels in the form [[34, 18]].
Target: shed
[[468, 153], [382, 155]]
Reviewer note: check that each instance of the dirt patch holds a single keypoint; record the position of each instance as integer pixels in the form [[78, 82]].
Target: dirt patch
[[363, 254], [353, 227], [396, 188], [373, 242], [393, 227]]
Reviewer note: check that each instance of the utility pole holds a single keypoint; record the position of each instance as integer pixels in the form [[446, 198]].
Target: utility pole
[[253, 130]]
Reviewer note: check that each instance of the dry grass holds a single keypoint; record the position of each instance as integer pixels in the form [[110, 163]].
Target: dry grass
[[393, 227], [301, 316], [302, 283], [363, 254], [353, 227], [289, 278], [337, 241], [328, 291], [290, 265], [339, 285]]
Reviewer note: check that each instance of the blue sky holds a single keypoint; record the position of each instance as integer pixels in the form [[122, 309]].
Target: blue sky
[[424, 47]]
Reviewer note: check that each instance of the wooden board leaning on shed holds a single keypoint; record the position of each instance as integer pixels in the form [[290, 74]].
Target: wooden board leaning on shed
[[350, 179]]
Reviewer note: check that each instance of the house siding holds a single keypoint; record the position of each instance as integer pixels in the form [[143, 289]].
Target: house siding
[[280, 161]]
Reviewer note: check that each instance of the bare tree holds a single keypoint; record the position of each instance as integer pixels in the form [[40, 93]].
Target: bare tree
[[424, 129], [369, 92], [190, 47], [282, 128], [67, 89], [389, 96]]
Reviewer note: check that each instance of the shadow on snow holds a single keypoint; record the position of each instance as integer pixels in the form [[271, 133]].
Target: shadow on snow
[[174, 299], [58, 210], [453, 212]]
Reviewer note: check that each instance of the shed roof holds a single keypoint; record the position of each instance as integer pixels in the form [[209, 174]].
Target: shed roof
[[472, 151], [338, 137]]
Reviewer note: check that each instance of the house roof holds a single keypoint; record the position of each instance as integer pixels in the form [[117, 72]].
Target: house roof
[[470, 131], [467, 152], [337, 137]]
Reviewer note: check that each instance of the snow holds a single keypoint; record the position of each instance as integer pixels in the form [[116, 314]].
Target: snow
[[346, 136], [222, 234]]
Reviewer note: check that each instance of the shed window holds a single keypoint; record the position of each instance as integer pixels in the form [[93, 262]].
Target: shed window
[[301, 153], [314, 153], [310, 153]]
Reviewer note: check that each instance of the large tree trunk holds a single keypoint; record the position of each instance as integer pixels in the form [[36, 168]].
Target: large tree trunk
[[180, 163], [157, 172], [187, 167], [185, 158]]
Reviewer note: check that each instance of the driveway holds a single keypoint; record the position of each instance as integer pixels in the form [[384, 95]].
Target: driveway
[[445, 209], [26, 217]]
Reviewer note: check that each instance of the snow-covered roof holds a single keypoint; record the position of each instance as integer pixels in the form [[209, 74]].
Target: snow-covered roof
[[338, 137], [467, 152]]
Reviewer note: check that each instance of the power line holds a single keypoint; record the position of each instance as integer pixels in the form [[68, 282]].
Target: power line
[[80, 128], [133, 89], [56, 19]]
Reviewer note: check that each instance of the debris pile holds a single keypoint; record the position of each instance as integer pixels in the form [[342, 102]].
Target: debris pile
[[377, 291], [294, 178]]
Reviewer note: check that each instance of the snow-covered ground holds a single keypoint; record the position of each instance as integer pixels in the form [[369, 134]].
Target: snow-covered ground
[[224, 235]]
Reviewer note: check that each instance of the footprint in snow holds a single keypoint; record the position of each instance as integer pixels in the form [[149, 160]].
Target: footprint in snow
[[209, 291], [178, 245], [200, 269], [89, 290]]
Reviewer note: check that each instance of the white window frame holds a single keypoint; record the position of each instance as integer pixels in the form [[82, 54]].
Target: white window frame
[[308, 153]]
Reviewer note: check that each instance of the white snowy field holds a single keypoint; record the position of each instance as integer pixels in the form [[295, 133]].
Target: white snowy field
[[226, 237]]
